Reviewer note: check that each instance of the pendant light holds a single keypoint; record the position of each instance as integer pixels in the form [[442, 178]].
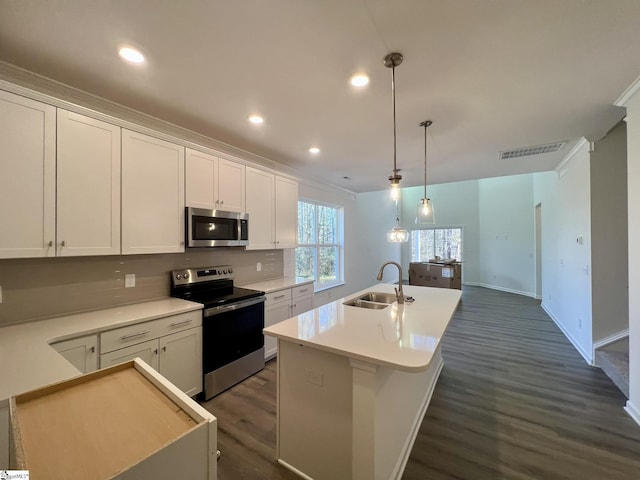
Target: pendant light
[[424, 213], [397, 234], [391, 61]]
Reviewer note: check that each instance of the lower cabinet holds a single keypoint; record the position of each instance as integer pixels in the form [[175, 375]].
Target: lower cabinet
[[281, 305], [81, 352], [177, 356]]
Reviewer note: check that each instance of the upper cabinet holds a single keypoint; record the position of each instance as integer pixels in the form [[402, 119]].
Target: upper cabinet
[[272, 205], [152, 195], [27, 177], [63, 201], [88, 181], [214, 183]]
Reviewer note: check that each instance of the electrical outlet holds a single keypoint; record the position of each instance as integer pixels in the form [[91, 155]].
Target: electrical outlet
[[130, 280], [314, 377], [258, 267]]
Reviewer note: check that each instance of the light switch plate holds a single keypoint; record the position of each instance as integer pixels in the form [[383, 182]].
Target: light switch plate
[[130, 280], [258, 267]]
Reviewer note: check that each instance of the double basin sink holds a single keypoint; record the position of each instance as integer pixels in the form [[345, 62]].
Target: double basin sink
[[372, 300]]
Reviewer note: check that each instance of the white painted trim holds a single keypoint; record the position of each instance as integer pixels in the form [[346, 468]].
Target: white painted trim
[[582, 144], [415, 428], [628, 94], [632, 411], [573, 341], [614, 337], [501, 289]]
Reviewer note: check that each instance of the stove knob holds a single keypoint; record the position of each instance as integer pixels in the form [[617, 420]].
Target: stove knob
[[224, 271], [230, 270], [186, 275], [178, 277]]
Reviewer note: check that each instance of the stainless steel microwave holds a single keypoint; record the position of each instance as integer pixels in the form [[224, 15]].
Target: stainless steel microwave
[[216, 228]]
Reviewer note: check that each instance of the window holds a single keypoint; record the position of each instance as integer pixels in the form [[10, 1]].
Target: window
[[431, 242], [319, 252]]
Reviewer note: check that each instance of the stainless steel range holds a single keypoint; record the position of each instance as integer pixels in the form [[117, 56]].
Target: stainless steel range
[[233, 319]]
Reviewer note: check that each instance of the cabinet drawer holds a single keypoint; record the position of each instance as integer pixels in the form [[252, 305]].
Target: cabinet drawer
[[302, 290], [140, 332], [277, 297]]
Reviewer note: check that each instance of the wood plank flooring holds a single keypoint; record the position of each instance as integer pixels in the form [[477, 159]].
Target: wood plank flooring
[[514, 401]]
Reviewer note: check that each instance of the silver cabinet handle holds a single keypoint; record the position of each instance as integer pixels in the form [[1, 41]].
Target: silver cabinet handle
[[62, 243], [279, 296], [164, 349], [304, 290], [133, 335], [221, 202], [155, 352], [50, 244], [178, 324], [92, 349]]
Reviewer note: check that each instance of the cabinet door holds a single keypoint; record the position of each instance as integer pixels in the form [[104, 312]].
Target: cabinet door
[[147, 351], [260, 207], [27, 177], [286, 205], [152, 195], [231, 186], [272, 315], [181, 360], [200, 173], [88, 181], [81, 352], [301, 305]]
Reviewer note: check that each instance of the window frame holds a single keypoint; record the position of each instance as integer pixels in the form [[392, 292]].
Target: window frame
[[437, 227], [317, 285]]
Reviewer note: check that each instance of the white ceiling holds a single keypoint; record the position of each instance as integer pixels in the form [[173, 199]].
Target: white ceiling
[[492, 75]]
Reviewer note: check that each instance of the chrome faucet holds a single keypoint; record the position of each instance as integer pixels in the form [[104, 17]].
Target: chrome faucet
[[399, 294]]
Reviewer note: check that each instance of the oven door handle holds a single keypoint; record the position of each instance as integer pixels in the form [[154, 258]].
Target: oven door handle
[[234, 306]]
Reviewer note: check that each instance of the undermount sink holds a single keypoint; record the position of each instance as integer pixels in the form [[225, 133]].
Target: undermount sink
[[372, 300]]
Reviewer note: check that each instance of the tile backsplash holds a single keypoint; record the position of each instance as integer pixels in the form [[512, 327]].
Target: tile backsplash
[[48, 287]]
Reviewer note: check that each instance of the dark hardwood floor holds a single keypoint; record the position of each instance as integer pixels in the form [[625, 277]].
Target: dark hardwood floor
[[514, 401]]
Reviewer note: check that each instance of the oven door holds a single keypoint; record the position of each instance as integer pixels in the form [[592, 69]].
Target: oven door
[[216, 228], [232, 344]]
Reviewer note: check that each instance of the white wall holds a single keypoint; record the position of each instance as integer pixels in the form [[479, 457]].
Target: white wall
[[609, 235], [566, 265], [633, 205], [507, 234]]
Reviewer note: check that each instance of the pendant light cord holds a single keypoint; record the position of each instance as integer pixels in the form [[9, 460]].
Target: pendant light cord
[[426, 125], [393, 96]]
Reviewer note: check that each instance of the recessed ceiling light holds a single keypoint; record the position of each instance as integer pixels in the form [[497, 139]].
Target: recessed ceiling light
[[131, 55], [257, 119], [314, 150], [359, 80]]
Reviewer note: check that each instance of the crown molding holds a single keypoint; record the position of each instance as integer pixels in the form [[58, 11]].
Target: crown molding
[[628, 94]]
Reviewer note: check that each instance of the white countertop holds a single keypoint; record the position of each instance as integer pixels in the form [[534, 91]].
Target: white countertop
[[27, 360], [268, 286], [403, 337]]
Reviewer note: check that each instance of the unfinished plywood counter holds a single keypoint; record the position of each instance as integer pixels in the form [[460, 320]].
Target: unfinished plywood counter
[[124, 422]]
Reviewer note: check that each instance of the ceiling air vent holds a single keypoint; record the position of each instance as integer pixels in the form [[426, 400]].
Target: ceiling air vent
[[528, 151]]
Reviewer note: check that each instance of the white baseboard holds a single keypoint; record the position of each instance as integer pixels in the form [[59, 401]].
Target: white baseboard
[[588, 358], [502, 289], [610, 339], [632, 411]]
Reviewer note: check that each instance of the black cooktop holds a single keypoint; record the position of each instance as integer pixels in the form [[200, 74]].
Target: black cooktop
[[211, 286]]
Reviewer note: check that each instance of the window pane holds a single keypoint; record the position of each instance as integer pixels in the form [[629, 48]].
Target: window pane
[[305, 263], [441, 242], [327, 224], [328, 265], [306, 223]]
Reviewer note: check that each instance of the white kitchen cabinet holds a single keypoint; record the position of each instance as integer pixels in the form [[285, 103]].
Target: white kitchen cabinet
[[261, 208], [152, 195], [214, 183], [80, 352], [88, 186], [272, 205], [27, 177], [171, 345], [286, 208], [277, 308], [301, 299]]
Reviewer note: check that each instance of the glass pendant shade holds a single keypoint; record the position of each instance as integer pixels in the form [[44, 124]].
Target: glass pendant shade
[[395, 191], [424, 212], [397, 234]]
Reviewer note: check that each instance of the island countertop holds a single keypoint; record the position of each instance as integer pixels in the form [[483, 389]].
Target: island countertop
[[403, 337]]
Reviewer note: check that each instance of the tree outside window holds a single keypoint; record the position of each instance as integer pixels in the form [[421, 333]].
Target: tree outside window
[[431, 242], [319, 252]]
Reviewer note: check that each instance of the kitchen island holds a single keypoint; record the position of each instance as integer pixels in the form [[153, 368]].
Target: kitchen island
[[354, 383]]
